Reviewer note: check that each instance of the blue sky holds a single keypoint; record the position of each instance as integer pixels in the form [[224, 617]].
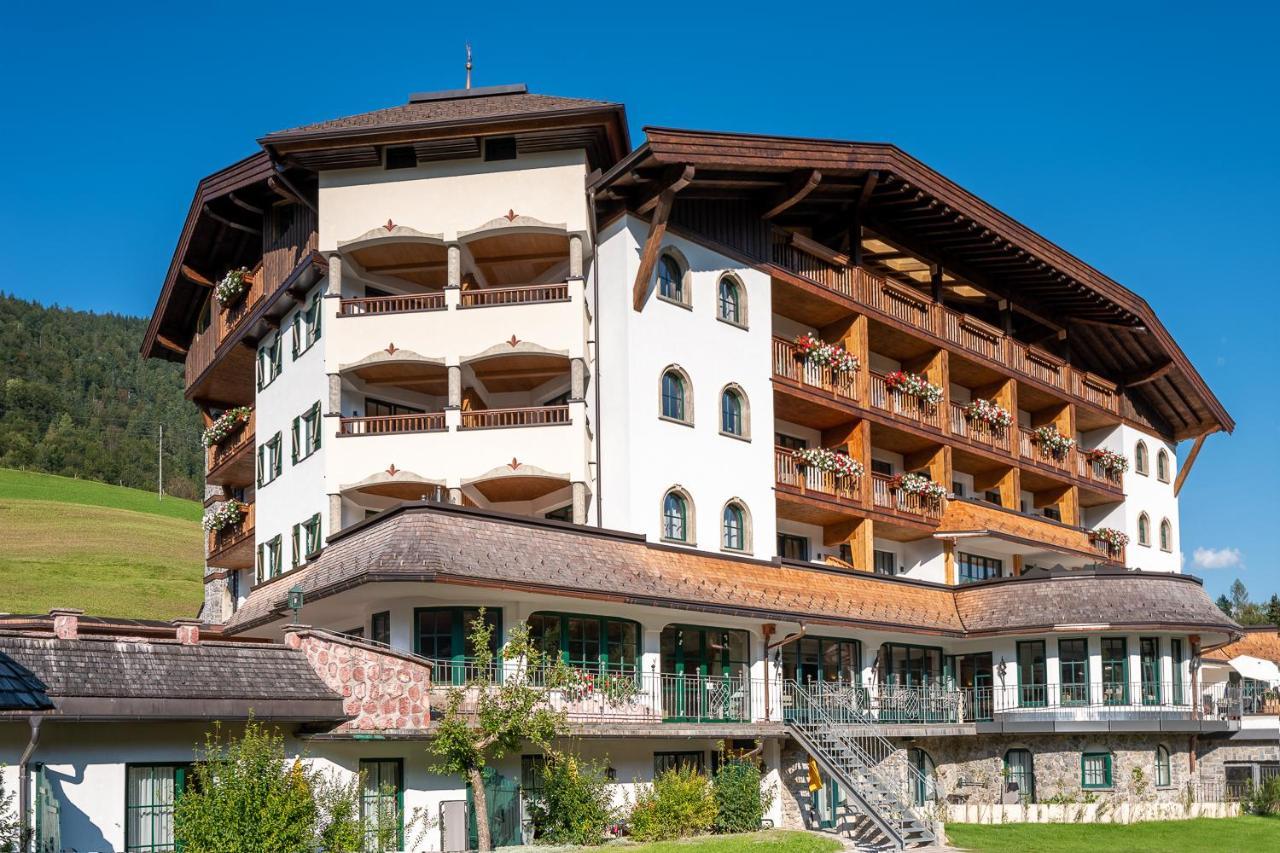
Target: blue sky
[[1141, 137]]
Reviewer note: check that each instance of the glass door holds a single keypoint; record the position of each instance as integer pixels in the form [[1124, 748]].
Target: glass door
[[704, 674], [1032, 675], [1115, 671]]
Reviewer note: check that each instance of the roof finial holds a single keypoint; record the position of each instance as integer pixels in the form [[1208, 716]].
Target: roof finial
[[468, 65]]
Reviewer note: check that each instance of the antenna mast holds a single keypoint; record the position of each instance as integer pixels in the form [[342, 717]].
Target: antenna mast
[[468, 65]]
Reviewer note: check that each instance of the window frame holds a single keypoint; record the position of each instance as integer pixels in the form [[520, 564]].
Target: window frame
[[270, 361], [794, 539], [181, 772], [398, 764], [1164, 768], [741, 415], [306, 433], [1141, 459], [791, 656], [380, 625], [684, 398], [1152, 690], [307, 541], [307, 317], [1144, 530], [1162, 465], [876, 558], [270, 459], [603, 664], [680, 290], [1035, 693], [273, 567], [458, 628], [1176, 659], [1165, 536], [744, 527], [965, 560], [1074, 692], [739, 318], [686, 517], [671, 759], [1108, 696], [1106, 783], [1029, 773]]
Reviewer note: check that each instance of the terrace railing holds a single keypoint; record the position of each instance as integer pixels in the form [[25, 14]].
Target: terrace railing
[[788, 365], [392, 424], [522, 417]]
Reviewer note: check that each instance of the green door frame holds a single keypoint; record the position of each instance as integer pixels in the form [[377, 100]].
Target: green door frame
[[458, 637], [1110, 696], [1076, 690], [702, 674], [1149, 670], [1033, 695]]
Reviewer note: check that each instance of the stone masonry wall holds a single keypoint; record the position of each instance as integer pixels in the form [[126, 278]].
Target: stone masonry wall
[[381, 689]]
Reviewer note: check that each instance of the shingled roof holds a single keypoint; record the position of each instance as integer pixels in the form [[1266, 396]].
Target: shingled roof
[[1258, 642], [429, 542], [94, 677]]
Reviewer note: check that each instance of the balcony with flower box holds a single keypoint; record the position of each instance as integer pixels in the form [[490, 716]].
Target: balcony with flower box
[[1036, 539], [813, 388], [229, 458], [907, 397], [816, 485], [909, 496], [229, 535], [981, 424]]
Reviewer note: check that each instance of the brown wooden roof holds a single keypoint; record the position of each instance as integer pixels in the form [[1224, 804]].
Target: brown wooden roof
[[441, 543], [886, 190], [1258, 642]]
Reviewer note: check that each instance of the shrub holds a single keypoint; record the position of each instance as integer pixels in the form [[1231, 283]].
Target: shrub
[[740, 802], [680, 802], [575, 805], [1264, 799]]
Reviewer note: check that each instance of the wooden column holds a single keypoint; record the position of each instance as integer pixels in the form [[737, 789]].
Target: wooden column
[[1004, 479], [859, 535], [855, 438], [949, 560], [852, 334]]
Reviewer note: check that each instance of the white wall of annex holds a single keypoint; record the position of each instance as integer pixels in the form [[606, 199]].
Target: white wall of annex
[[642, 455]]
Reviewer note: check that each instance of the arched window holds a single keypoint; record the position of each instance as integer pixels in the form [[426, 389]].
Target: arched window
[[1166, 535], [736, 528], [1163, 769], [924, 781], [1140, 458], [671, 279], [1144, 530], [732, 308], [1020, 774], [675, 517], [733, 412], [1162, 466], [676, 404]]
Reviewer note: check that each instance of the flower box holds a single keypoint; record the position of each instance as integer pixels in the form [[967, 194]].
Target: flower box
[[1109, 461], [226, 425], [232, 287], [990, 413], [1112, 538], [223, 516], [813, 350], [838, 463], [915, 484], [915, 385], [1053, 442]]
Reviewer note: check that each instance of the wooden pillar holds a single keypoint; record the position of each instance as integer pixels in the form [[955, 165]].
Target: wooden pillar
[[949, 560], [851, 333], [859, 535], [855, 438], [1004, 479], [935, 283], [1017, 565]]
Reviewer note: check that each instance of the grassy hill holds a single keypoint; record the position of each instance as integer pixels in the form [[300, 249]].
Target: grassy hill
[[109, 550]]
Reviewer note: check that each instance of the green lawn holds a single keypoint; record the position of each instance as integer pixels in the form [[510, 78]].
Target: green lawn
[[774, 841], [108, 550], [1225, 835]]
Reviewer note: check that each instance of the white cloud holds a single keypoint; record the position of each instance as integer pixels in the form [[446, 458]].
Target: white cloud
[[1217, 558]]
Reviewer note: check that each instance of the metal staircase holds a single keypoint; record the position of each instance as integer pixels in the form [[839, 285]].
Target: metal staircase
[[874, 777]]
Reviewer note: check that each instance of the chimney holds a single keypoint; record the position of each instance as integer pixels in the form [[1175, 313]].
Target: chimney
[[188, 631], [66, 622]]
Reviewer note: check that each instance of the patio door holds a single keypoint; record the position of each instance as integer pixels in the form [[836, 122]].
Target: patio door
[[913, 680], [704, 674]]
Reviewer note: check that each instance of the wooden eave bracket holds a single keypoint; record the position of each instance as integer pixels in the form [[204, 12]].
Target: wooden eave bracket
[[1150, 375], [661, 207], [674, 179], [1185, 468], [797, 189]]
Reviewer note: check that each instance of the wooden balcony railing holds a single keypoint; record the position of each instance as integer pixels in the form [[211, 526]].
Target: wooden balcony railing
[[979, 432], [788, 365], [884, 496], [204, 346], [219, 541], [906, 406], [1095, 390], [973, 335], [1038, 364], [391, 304], [1088, 469], [219, 454], [799, 255], [1033, 452], [808, 479], [523, 295], [897, 302], [392, 424], [502, 418]]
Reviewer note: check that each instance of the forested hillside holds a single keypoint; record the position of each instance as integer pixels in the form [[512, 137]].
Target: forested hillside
[[76, 399]]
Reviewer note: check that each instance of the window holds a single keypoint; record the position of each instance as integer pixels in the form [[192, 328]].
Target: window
[[991, 496], [793, 547], [380, 628], [270, 460], [379, 409], [1020, 774], [880, 466], [732, 419], [1032, 677], [1140, 459], [1095, 770], [664, 761], [382, 803], [150, 793], [957, 488], [500, 148], [564, 513], [1166, 535], [306, 540], [1073, 671], [1144, 530], [1175, 656], [269, 559], [306, 433], [675, 517], [532, 768], [829, 660], [269, 362], [675, 396], [1052, 513], [671, 279], [789, 442], [974, 567], [1163, 769], [1149, 667], [591, 643], [443, 634], [886, 562], [731, 308], [306, 327], [1162, 466], [924, 783], [1115, 671], [734, 537]]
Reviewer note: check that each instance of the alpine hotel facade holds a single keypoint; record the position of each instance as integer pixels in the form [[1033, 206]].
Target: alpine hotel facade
[[813, 448]]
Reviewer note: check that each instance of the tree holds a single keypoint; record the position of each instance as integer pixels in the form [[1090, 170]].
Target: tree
[[1273, 610], [10, 825], [1239, 596], [1224, 604], [489, 717]]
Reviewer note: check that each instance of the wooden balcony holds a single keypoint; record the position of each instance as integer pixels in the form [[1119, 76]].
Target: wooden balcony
[[807, 480], [391, 424], [523, 417], [230, 463], [232, 546], [980, 433], [1029, 450], [906, 407], [530, 294], [1094, 473], [365, 306], [971, 516], [788, 365], [885, 497]]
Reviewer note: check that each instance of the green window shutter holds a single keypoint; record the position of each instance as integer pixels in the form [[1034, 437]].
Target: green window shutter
[[295, 435], [296, 545], [259, 569], [297, 333], [316, 421], [316, 315], [261, 447]]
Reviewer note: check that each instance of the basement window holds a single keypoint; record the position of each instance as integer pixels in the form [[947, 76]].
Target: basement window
[[402, 157], [500, 148]]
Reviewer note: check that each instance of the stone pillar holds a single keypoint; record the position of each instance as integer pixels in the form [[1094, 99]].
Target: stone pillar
[[66, 622], [335, 513], [455, 266], [335, 276], [335, 393], [188, 631], [455, 496], [577, 379], [455, 387], [579, 503], [575, 256]]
